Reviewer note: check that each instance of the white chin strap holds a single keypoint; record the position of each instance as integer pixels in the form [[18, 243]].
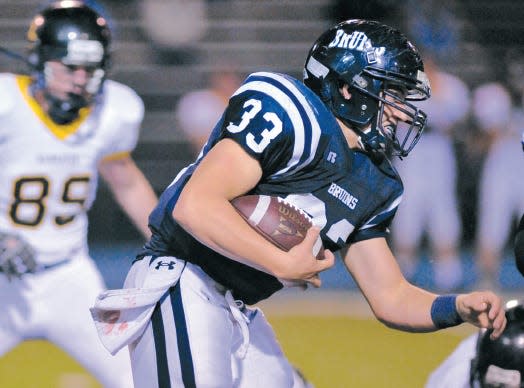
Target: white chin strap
[[93, 86]]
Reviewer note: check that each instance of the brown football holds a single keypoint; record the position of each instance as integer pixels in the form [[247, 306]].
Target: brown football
[[277, 220]]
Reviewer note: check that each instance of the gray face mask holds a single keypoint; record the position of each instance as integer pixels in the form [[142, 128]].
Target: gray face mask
[[65, 111]]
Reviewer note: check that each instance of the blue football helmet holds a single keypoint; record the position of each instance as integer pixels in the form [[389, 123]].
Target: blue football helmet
[[381, 67]]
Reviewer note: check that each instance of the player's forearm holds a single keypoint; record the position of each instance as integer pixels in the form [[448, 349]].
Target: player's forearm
[[131, 190], [204, 210], [138, 201], [394, 301], [416, 310], [408, 309], [216, 224]]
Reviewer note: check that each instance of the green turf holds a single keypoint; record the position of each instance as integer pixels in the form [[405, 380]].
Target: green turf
[[333, 352], [38, 364], [341, 352]]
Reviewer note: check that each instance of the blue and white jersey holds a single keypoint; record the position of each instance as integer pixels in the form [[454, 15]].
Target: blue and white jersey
[[305, 158]]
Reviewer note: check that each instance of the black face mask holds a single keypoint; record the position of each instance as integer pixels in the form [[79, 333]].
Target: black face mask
[[65, 111]]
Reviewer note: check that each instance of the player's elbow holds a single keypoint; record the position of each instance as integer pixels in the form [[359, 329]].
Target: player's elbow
[[400, 324], [185, 210], [393, 313], [384, 316]]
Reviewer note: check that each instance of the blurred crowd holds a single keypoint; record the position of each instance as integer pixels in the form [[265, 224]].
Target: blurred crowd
[[462, 197], [462, 182], [462, 188]]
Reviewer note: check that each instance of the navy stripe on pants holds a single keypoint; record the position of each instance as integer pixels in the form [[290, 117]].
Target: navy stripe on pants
[[184, 350]]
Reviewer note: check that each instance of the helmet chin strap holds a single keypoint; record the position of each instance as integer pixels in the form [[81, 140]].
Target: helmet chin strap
[[370, 139], [64, 111], [374, 141], [61, 111]]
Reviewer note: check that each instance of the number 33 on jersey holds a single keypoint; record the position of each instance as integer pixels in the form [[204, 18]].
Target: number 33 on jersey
[[273, 122]]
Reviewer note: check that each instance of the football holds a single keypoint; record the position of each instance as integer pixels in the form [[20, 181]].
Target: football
[[277, 220]]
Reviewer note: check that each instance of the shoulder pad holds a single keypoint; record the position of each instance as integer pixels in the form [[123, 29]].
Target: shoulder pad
[[7, 83], [123, 101]]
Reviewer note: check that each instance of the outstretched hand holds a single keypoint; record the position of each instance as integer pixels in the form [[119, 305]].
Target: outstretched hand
[[483, 309]]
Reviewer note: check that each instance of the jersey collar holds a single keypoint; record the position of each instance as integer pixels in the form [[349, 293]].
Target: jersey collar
[[60, 131]]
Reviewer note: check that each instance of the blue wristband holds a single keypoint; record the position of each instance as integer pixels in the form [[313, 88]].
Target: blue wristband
[[444, 312]]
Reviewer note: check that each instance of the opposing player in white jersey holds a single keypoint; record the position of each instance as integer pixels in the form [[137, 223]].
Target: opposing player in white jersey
[[321, 145], [60, 128]]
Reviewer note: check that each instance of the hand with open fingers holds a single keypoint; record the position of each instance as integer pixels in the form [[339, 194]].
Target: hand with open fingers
[[17, 256], [483, 309], [302, 265]]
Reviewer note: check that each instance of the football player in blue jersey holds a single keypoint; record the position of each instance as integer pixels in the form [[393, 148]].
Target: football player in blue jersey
[[321, 144]]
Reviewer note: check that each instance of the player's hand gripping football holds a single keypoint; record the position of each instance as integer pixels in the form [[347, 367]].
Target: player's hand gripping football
[[17, 257], [483, 309], [302, 265]]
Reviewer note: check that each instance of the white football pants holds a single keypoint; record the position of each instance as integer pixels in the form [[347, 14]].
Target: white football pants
[[54, 305], [198, 336]]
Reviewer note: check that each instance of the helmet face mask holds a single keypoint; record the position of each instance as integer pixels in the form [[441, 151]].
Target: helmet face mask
[[382, 69], [68, 38], [403, 134], [69, 89]]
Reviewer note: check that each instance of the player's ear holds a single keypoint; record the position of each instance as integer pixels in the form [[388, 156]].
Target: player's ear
[[344, 91]]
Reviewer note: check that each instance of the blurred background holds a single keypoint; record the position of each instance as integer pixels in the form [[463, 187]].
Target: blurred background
[[169, 49], [188, 56]]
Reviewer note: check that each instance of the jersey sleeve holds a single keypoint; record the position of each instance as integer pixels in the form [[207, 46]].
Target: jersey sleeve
[[8, 89], [265, 118], [378, 224], [122, 117]]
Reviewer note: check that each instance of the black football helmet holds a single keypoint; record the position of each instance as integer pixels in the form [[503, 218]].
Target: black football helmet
[[74, 34], [500, 363], [380, 66]]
